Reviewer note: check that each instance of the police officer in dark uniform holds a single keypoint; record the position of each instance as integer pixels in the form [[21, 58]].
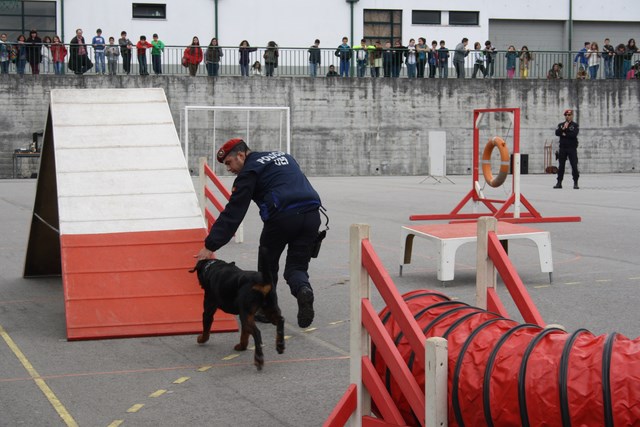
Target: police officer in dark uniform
[[289, 208], [568, 133]]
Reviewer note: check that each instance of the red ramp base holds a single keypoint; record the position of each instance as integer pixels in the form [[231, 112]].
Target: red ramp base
[[134, 284]]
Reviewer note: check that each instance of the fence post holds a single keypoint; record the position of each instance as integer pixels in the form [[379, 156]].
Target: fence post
[[202, 183], [359, 338], [485, 271], [435, 385]]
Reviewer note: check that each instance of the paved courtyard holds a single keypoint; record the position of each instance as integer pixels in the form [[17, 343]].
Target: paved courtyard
[[170, 381]]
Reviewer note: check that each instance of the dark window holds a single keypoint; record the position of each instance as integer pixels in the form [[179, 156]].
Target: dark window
[[150, 10], [19, 17], [429, 17], [464, 18], [383, 25]]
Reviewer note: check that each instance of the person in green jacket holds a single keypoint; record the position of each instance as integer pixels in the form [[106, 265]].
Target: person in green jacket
[[156, 54]]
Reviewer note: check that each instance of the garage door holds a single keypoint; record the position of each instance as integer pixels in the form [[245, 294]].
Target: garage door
[[617, 32], [536, 35]]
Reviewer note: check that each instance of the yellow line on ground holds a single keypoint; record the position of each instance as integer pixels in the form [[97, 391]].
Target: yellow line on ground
[[181, 380], [634, 278], [158, 393], [231, 356], [337, 322], [49, 394], [541, 286], [116, 423], [204, 368], [309, 329], [572, 283], [286, 337], [136, 407], [603, 280]]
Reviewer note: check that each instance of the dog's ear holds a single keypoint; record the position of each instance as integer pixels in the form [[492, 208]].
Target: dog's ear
[[197, 266]]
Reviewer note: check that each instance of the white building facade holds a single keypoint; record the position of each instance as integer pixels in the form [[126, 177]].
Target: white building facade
[[551, 25]]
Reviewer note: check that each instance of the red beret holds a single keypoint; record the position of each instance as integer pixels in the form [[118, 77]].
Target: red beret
[[568, 111], [226, 148]]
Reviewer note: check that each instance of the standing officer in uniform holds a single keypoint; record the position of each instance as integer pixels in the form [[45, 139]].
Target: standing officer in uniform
[[289, 208], [568, 133]]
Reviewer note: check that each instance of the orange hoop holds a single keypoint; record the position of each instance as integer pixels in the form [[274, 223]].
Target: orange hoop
[[496, 141]]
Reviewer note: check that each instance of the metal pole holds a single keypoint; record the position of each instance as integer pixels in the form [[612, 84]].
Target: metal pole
[[216, 17], [570, 67]]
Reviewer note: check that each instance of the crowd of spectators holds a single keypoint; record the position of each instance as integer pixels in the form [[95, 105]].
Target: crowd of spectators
[[422, 60]]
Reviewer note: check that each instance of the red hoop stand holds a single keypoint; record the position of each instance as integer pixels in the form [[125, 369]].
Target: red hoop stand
[[497, 208]]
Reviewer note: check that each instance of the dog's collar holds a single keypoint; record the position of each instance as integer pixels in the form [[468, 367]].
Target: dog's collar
[[209, 264]]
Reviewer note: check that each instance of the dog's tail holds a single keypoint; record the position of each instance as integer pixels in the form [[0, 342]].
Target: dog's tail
[[263, 264]]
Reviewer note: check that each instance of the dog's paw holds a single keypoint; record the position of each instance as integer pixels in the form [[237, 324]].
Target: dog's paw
[[202, 338], [240, 347]]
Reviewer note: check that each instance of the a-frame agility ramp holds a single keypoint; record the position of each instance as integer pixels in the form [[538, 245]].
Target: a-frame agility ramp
[[117, 216]]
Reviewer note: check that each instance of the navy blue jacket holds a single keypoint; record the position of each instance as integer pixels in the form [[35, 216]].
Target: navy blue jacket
[[275, 182], [568, 136]]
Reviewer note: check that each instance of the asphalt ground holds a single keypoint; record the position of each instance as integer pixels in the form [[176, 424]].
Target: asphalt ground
[[172, 381]]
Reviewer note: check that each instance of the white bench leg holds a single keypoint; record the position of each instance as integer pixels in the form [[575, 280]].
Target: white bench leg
[[447, 258]]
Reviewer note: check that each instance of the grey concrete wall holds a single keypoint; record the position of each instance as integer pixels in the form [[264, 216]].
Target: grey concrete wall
[[367, 126]]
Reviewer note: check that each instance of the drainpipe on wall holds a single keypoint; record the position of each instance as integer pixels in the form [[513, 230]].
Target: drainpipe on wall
[[570, 68], [216, 17], [62, 20], [352, 2]]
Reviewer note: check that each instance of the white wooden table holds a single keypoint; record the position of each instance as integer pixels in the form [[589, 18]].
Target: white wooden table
[[449, 237]]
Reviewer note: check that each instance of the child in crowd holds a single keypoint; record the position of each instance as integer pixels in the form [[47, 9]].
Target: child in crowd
[[156, 54], [511, 57], [443, 60], [113, 52], [58, 53], [256, 69], [581, 74], [46, 55], [98, 49], [141, 48], [332, 71], [5, 50]]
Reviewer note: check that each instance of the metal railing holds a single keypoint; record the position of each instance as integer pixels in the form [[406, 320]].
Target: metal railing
[[293, 61]]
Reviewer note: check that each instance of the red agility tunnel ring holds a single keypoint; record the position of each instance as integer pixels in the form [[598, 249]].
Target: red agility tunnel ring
[[502, 373]]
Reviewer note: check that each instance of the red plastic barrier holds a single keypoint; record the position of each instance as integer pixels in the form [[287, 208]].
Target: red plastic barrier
[[502, 373]]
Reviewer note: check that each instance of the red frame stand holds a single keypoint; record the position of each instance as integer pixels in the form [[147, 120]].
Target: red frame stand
[[496, 208]]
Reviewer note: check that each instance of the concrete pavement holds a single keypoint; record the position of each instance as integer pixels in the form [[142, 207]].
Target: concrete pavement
[[169, 381]]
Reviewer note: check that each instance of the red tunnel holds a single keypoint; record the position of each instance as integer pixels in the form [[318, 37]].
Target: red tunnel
[[502, 373]]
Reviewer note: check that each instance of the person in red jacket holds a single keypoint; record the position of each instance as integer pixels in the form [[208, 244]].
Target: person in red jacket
[[58, 53], [141, 48], [192, 56]]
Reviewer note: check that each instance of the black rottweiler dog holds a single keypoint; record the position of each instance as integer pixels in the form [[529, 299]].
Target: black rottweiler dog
[[236, 291]]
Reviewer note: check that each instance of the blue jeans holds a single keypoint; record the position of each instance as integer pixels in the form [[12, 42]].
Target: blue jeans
[[244, 70], [344, 67], [100, 68], [626, 66], [58, 67], [212, 68], [4, 67], [608, 68], [593, 72], [411, 71], [21, 65], [142, 63], [156, 63], [444, 71], [362, 67], [313, 69]]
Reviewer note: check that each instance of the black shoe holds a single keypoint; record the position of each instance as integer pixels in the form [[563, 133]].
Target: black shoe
[[305, 307], [558, 185], [575, 186]]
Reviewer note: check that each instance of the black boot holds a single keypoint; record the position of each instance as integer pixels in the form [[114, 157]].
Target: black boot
[[575, 185], [558, 185], [305, 307]]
